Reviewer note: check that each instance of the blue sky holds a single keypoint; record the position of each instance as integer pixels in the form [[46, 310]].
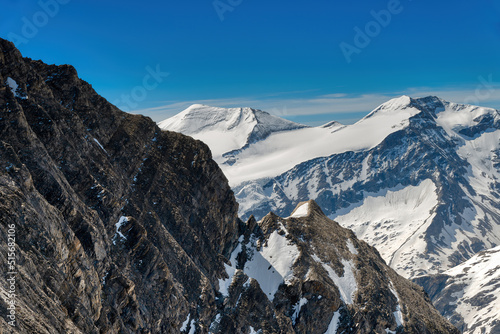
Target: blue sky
[[286, 57]]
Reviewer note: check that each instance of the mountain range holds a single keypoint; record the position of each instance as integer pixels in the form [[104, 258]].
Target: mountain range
[[119, 227], [418, 178]]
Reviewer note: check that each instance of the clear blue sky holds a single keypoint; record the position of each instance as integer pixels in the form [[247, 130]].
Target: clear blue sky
[[281, 56]]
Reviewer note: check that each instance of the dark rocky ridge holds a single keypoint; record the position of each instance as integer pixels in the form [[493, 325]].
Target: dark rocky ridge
[[72, 166], [65, 193]]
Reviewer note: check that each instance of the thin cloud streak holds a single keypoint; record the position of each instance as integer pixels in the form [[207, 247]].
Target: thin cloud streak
[[330, 104]]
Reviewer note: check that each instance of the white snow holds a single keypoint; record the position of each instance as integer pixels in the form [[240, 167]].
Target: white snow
[[296, 308], [215, 323], [398, 315], [480, 275], [185, 323], [392, 220], [253, 331], [334, 324], [98, 143], [224, 284], [351, 247], [301, 211], [224, 131], [192, 328], [282, 151], [13, 87], [346, 283], [118, 226], [272, 265], [456, 117]]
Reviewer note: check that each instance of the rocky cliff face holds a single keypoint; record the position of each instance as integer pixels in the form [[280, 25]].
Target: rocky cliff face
[[120, 227]]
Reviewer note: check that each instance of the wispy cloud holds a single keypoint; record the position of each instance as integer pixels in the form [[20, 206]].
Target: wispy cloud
[[336, 104]]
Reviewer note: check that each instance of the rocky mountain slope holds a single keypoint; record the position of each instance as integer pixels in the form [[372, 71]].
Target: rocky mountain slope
[[469, 294], [320, 278], [120, 227]]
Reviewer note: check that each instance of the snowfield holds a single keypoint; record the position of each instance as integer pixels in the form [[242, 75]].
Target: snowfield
[[392, 220], [225, 130]]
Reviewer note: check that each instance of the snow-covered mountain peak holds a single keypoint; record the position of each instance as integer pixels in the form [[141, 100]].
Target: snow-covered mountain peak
[[466, 120], [226, 129], [391, 106], [198, 117], [397, 102], [305, 209]]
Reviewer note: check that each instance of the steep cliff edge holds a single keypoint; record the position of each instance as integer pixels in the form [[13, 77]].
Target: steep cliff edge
[[120, 227]]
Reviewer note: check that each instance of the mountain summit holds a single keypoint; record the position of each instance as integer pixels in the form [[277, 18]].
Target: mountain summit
[[227, 129]]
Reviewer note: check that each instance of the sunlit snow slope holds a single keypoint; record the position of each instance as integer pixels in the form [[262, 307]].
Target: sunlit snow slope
[[226, 131], [469, 294]]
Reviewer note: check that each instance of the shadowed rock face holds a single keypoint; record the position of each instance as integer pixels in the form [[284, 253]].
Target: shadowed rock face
[[123, 228], [71, 166]]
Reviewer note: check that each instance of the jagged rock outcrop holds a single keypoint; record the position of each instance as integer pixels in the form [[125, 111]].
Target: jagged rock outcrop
[[120, 227], [317, 277]]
